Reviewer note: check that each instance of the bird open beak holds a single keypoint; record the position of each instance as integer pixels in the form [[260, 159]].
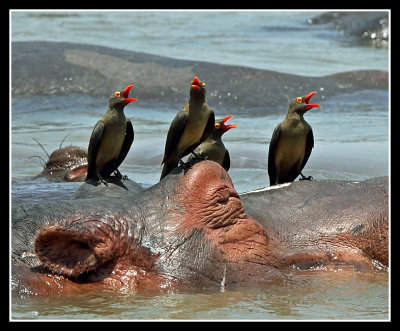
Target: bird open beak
[[196, 83], [307, 98], [229, 126], [125, 94]]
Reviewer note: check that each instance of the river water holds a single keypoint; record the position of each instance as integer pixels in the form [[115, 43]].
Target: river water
[[351, 132]]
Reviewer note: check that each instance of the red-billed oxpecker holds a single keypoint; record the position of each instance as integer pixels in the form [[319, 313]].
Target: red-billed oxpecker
[[191, 126], [213, 148], [111, 138], [291, 143]]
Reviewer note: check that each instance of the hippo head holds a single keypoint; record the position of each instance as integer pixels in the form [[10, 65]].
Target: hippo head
[[66, 164], [216, 238], [188, 230]]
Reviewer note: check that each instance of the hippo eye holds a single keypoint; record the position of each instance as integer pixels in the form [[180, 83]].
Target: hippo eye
[[217, 125], [203, 85], [299, 100], [117, 94]]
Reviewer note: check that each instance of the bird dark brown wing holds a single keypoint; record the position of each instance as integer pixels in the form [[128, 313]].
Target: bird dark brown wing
[[175, 132], [129, 136], [226, 163], [209, 127], [206, 133], [309, 147], [94, 144], [271, 155]]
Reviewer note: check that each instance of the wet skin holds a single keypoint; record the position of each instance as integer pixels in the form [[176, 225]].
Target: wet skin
[[193, 230], [66, 164], [115, 188]]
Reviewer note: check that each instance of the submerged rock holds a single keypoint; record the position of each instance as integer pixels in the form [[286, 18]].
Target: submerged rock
[[370, 26]]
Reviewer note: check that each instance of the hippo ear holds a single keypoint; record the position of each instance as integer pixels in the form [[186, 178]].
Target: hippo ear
[[76, 247]]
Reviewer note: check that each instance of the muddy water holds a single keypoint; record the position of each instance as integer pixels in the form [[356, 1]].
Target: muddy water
[[330, 297]]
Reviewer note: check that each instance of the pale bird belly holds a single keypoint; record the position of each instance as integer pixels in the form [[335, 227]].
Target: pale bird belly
[[191, 135], [289, 153], [213, 152], [109, 149]]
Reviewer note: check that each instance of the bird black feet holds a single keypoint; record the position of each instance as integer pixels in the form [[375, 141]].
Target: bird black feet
[[196, 158], [101, 180], [110, 179], [118, 174], [191, 161], [184, 165], [305, 178]]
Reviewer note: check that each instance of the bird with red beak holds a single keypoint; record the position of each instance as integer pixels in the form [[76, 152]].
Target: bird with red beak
[[191, 126], [111, 138], [213, 148], [291, 143]]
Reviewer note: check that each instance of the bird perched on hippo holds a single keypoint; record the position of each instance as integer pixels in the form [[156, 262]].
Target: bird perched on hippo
[[191, 126], [111, 138], [213, 148], [291, 143]]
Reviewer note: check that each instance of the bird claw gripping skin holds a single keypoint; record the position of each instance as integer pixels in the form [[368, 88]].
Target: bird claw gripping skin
[[198, 157], [190, 163], [119, 175], [184, 165], [305, 178], [101, 180]]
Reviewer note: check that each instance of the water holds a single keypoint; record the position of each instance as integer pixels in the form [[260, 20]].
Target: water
[[329, 298], [274, 40], [351, 137], [351, 142]]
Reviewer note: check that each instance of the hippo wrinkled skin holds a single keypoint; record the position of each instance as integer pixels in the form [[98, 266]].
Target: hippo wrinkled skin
[[192, 230]]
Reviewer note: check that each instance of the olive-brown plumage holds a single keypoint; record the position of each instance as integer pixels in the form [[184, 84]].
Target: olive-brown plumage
[[213, 148], [291, 143], [111, 138], [190, 127]]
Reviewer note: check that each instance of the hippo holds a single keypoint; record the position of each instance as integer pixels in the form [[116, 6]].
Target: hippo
[[192, 230], [242, 90], [371, 27], [66, 164], [116, 187], [70, 164]]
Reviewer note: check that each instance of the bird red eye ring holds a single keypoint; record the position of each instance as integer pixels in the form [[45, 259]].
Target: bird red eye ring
[[117, 94], [299, 100], [217, 125]]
